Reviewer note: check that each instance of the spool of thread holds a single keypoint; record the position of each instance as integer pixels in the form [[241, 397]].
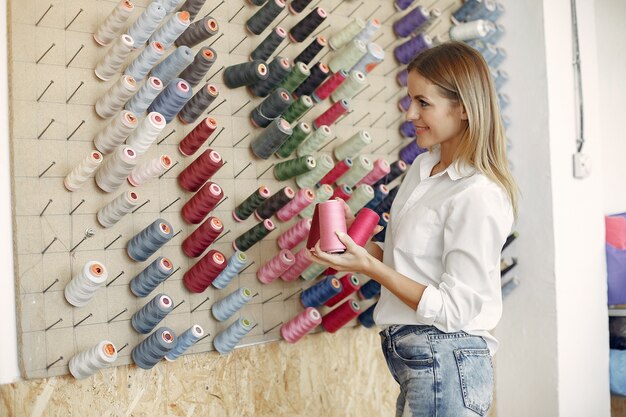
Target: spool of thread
[[145, 243], [352, 85], [300, 132], [202, 203], [90, 361], [369, 290], [296, 328], [332, 219], [411, 22], [200, 170], [367, 33], [192, 7], [296, 6], [495, 35], [265, 16], [403, 4], [116, 168], [345, 35], [497, 13], [385, 205], [274, 135], [339, 317], [174, 64], [314, 232], [171, 29], [307, 25], [501, 78], [364, 224], [185, 341], [83, 286], [197, 70], [361, 166], [149, 170], [333, 113], [361, 195], [271, 108], [405, 52], [225, 308], [310, 52], [303, 199], [323, 165], [154, 348], [205, 271], [278, 69], [489, 52], [319, 73], [315, 141], [150, 278], [251, 237], [198, 32], [114, 23], [407, 129], [471, 30], [321, 292], [380, 170], [397, 168], [251, 203], [143, 63], [198, 104], [349, 285], [226, 340], [246, 73], [342, 191], [351, 147], [312, 272], [115, 98], [140, 102], [275, 267], [411, 151], [196, 138], [294, 167], [340, 168], [503, 100], [473, 10], [172, 99], [384, 221], [201, 238], [235, 265], [146, 133], [81, 173], [380, 192], [298, 109], [146, 23], [404, 103], [274, 203], [112, 61], [366, 318], [299, 72], [151, 314], [348, 56], [267, 47], [169, 5], [374, 56], [123, 204], [499, 58], [402, 78], [293, 236], [301, 263], [321, 194]]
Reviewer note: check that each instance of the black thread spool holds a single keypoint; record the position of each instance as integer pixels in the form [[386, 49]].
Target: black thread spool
[[319, 73], [270, 206], [279, 68], [246, 73], [385, 205], [192, 7], [202, 63], [269, 44], [198, 31], [270, 108], [306, 26], [296, 6], [198, 104], [274, 135], [257, 2], [265, 16], [312, 50]]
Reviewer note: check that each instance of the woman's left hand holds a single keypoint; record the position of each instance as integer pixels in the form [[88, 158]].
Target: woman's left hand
[[354, 259]]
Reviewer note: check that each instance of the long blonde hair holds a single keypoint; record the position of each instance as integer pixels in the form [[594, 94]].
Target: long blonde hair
[[462, 75]]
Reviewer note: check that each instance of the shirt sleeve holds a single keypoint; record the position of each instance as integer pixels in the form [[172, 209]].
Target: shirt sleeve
[[478, 223]]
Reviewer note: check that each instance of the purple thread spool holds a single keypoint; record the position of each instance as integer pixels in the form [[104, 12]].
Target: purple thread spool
[[404, 103], [411, 48], [410, 152], [411, 22], [407, 129], [403, 78], [403, 4]]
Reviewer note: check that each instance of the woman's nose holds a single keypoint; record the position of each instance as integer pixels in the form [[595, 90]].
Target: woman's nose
[[413, 112]]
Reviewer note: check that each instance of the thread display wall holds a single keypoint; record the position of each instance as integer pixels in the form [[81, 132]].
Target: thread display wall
[[53, 95]]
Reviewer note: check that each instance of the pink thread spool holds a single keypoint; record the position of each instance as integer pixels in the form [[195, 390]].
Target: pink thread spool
[[301, 263], [332, 219], [200, 170], [381, 169], [340, 316], [342, 191], [290, 238], [204, 272], [194, 139], [338, 170], [333, 113], [324, 91], [273, 269], [300, 325], [202, 237], [349, 285], [304, 197], [201, 204]]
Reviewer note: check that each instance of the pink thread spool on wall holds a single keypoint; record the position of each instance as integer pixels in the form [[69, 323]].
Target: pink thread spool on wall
[[381, 169], [276, 266], [290, 238], [304, 197], [302, 262], [300, 325]]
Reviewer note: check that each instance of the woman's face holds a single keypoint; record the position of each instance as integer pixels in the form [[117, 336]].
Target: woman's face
[[437, 119]]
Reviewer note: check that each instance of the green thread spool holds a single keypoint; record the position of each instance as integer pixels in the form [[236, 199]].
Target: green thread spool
[[324, 164], [360, 167], [348, 56], [254, 200], [346, 34], [360, 197], [298, 74], [315, 141], [351, 147], [313, 272], [294, 167], [300, 133], [321, 194], [352, 85], [254, 235], [298, 108]]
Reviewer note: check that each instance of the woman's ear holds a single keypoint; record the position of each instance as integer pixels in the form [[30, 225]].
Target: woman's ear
[[463, 113]]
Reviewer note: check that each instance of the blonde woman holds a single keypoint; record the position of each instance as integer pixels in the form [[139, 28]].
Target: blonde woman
[[439, 266]]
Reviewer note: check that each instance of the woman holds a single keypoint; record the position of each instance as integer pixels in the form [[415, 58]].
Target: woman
[[439, 266]]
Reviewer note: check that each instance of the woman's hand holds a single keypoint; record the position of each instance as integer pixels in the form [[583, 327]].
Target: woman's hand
[[354, 259]]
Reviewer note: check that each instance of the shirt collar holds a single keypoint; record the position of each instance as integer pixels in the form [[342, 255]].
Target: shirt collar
[[455, 171]]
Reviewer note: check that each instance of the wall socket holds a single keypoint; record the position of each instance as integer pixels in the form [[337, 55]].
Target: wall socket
[[582, 165]]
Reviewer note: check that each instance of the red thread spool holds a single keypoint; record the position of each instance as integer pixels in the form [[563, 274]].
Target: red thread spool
[[332, 219], [194, 139], [363, 226], [338, 170], [340, 316], [202, 274], [342, 191], [381, 168], [295, 234], [322, 92], [200, 170], [314, 231], [302, 263], [349, 285], [304, 198], [333, 113], [201, 204], [202, 237]]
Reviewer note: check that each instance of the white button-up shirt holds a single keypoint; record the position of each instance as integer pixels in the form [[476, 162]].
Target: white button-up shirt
[[446, 232]]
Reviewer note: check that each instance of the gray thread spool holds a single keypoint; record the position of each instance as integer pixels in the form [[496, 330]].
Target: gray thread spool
[[270, 108], [149, 240], [141, 66], [114, 23], [246, 73], [226, 340], [146, 23], [146, 319], [173, 65], [123, 204], [171, 29], [258, 2], [149, 352], [203, 61], [140, 102], [112, 62], [90, 361], [192, 7], [185, 341], [274, 135], [115, 132], [225, 308], [278, 69], [115, 98], [150, 278], [265, 16], [83, 286], [267, 47], [116, 168], [198, 104], [198, 32]]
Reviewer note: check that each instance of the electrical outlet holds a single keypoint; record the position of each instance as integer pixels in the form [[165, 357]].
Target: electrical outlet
[[582, 165]]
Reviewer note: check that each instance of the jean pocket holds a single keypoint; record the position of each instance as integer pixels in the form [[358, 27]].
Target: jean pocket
[[476, 373], [413, 349]]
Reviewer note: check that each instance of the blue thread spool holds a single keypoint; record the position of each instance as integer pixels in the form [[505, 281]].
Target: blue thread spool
[[140, 102], [146, 319], [146, 24], [185, 341], [385, 205], [383, 221], [500, 56], [173, 65], [235, 264], [225, 308], [171, 29], [149, 240], [226, 340], [369, 290], [154, 274], [321, 292], [141, 66], [172, 99], [366, 318], [380, 192], [149, 352]]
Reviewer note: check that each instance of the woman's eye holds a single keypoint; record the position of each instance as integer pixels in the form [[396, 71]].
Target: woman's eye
[[422, 103]]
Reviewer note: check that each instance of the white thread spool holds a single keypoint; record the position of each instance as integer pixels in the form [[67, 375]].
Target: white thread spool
[[115, 169], [368, 32], [112, 62], [147, 132], [114, 23], [114, 99], [118, 208], [83, 171], [346, 34], [351, 85], [150, 170], [351, 147], [90, 361], [84, 285], [116, 132], [475, 29]]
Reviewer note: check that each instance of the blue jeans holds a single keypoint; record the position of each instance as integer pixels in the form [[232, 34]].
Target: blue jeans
[[440, 374]]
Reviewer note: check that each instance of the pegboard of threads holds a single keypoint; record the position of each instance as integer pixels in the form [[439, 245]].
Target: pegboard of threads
[[53, 91]]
